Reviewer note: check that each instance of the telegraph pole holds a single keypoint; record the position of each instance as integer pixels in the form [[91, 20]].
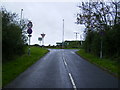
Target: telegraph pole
[[63, 35], [101, 43], [76, 33], [81, 38], [101, 53]]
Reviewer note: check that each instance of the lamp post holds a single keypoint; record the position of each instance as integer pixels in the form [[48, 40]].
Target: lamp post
[[63, 35], [21, 17]]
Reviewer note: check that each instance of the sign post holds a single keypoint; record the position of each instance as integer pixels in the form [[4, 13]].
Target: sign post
[[29, 31], [40, 39], [43, 35]]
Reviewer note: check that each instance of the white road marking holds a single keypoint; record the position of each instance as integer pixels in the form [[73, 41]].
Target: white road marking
[[73, 83], [70, 76], [65, 62], [72, 52], [63, 58]]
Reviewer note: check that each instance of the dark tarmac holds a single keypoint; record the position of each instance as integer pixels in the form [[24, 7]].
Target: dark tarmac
[[63, 68]]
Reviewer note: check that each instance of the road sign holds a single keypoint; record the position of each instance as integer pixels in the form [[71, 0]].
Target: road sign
[[43, 35], [29, 35], [29, 25], [29, 31], [40, 38]]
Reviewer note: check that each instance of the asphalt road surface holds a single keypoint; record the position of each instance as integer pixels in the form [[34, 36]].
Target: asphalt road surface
[[62, 68]]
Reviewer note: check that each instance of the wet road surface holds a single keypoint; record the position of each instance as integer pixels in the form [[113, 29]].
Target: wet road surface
[[63, 68]]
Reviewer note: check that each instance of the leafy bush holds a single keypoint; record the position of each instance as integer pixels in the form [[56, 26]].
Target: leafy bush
[[13, 39]]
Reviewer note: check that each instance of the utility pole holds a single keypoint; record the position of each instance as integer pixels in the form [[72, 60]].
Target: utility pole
[[76, 33], [81, 39], [63, 35], [101, 53], [101, 43]]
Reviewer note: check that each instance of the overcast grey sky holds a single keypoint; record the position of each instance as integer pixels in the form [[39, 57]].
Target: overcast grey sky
[[47, 17]]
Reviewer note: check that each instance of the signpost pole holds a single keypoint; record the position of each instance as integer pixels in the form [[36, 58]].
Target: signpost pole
[[43, 35], [40, 43], [40, 39], [29, 40], [43, 42], [29, 46]]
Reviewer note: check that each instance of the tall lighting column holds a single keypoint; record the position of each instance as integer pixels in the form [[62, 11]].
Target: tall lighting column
[[21, 17], [63, 35]]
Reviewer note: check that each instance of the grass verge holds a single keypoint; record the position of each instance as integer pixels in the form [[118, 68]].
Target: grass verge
[[12, 68], [106, 64]]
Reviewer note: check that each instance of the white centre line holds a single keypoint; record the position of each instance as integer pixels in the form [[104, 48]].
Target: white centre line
[[70, 76], [73, 83], [65, 62]]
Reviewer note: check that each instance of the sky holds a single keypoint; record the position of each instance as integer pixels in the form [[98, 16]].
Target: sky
[[47, 17]]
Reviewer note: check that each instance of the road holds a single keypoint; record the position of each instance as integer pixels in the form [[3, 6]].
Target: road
[[63, 68]]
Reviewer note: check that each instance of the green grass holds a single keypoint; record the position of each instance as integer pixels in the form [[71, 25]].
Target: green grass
[[106, 64], [11, 69]]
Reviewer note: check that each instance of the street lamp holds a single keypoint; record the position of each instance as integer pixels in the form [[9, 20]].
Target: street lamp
[[63, 35], [21, 17]]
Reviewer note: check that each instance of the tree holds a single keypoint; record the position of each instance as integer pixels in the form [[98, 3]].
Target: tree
[[102, 21], [13, 39]]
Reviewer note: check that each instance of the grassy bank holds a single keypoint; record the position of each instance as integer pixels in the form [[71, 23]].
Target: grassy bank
[[12, 68], [106, 64]]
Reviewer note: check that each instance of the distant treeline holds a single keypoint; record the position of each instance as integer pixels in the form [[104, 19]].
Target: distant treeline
[[70, 44], [102, 22], [13, 35]]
